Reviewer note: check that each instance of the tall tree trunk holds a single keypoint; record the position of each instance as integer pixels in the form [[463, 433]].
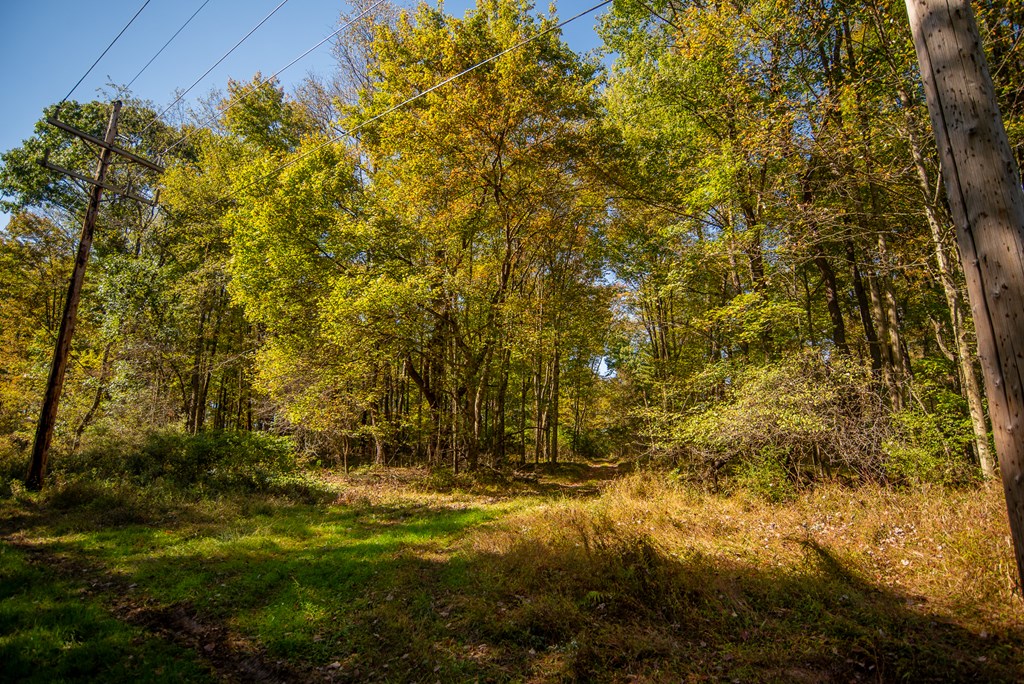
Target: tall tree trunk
[[499, 410], [755, 257], [883, 302], [195, 379], [877, 308], [219, 417], [378, 443], [808, 306], [239, 399], [984, 190], [864, 306], [522, 421], [577, 415], [900, 359], [734, 275], [553, 405], [200, 416], [965, 356], [477, 417], [101, 388], [835, 311], [540, 415]]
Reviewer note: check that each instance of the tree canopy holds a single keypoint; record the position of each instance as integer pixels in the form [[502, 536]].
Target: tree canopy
[[722, 244]]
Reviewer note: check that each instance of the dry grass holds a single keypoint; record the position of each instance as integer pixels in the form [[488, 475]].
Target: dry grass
[[651, 580]]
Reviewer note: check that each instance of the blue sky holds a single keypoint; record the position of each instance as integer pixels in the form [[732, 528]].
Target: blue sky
[[48, 45]]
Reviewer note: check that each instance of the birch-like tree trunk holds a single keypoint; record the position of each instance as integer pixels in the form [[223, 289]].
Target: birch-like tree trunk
[[964, 354]]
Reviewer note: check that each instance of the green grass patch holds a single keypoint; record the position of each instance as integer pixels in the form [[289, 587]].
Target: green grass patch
[[310, 584], [50, 632]]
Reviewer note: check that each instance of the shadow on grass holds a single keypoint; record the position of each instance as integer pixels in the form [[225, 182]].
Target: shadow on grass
[[49, 633], [387, 593], [625, 609]]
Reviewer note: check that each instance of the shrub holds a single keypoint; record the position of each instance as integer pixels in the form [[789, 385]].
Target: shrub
[[766, 475], [772, 427], [219, 461], [781, 423], [920, 452], [13, 467]]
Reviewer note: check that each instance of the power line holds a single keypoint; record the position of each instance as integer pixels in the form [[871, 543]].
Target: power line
[[215, 65], [158, 52], [270, 78], [116, 38], [429, 90]]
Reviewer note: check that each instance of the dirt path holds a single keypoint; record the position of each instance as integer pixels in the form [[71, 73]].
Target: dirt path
[[574, 479]]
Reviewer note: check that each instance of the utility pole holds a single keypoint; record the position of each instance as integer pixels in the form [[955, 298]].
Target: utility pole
[[983, 186], [62, 349]]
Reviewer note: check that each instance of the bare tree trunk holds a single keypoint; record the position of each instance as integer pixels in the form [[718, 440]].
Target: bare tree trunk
[[734, 274], [539, 426], [553, 406], [200, 409], [477, 415], [808, 307], [378, 445], [835, 312], [883, 303], [900, 361], [499, 410], [195, 381], [522, 422], [884, 347], [455, 433], [864, 305], [987, 202], [957, 314], [101, 388]]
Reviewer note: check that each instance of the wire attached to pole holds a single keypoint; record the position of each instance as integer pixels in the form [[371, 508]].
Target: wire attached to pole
[[270, 78], [169, 41]]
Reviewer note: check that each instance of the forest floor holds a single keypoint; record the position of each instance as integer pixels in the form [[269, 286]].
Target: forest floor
[[578, 573]]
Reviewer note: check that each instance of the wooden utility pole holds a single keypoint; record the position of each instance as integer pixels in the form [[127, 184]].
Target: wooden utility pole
[[984, 190], [62, 349]]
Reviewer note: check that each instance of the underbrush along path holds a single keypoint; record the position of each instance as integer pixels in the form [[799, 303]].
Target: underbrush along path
[[577, 574]]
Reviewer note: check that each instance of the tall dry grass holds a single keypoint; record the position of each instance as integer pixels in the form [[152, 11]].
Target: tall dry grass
[[654, 579]]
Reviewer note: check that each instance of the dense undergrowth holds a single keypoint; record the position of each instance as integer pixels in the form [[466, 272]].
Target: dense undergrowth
[[168, 465], [574, 573], [776, 427]]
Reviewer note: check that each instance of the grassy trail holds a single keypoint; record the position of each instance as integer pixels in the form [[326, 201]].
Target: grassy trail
[[580, 574]]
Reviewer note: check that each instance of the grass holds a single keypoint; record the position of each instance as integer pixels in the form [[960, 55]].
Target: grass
[[577, 576], [50, 632], [654, 580]]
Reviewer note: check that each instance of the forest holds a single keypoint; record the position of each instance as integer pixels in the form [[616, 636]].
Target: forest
[[485, 360]]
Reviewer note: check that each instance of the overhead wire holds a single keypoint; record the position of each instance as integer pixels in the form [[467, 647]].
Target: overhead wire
[[102, 54], [215, 65], [270, 78], [169, 41], [407, 101]]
